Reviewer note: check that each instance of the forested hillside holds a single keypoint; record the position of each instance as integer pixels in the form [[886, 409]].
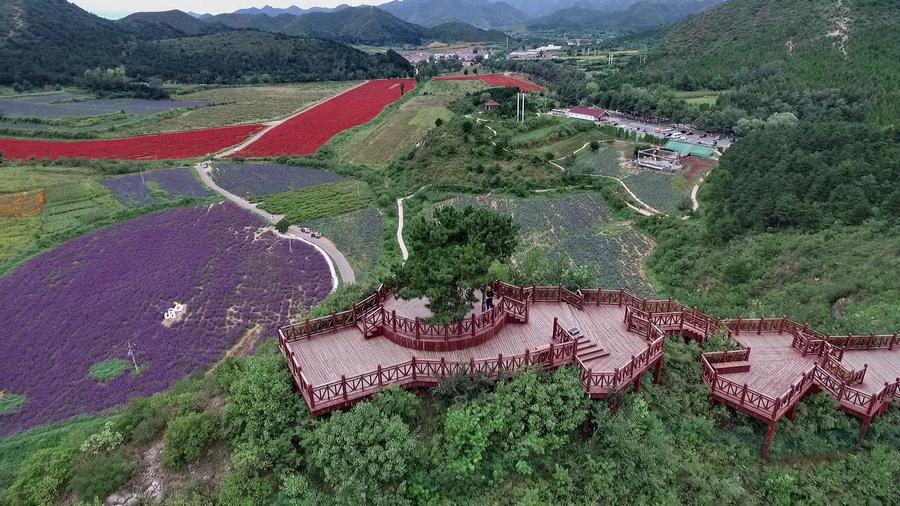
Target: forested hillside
[[55, 42], [800, 216], [47, 41], [637, 17], [253, 56], [779, 45]]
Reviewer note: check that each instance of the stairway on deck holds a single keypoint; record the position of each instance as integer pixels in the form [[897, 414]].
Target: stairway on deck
[[589, 350]]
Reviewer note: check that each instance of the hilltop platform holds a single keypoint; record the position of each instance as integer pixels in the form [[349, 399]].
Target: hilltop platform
[[610, 336]]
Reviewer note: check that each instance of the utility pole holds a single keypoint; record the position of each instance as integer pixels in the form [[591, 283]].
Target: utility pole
[[133, 359]]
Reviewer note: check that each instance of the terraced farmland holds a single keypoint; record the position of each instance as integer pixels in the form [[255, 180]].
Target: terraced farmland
[[257, 180], [579, 227], [401, 130], [306, 204], [168, 185], [72, 311], [358, 234], [74, 202]]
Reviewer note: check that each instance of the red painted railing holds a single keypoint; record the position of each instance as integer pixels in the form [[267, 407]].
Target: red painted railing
[[429, 372], [742, 396], [871, 342], [607, 382]]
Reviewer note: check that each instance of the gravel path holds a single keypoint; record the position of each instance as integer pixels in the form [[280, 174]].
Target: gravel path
[[336, 260]]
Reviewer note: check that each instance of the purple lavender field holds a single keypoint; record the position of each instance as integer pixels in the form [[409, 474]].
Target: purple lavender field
[[81, 303], [256, 180], [167, 185]]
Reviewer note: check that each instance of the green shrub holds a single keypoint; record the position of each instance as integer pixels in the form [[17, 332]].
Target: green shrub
[[107, 370], [187, 436], [10, 403], [101, 474], [106, 440], [42, 478]]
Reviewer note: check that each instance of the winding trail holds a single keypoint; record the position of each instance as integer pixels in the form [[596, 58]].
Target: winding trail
[[403, 251], [695, 204], [333, 256]]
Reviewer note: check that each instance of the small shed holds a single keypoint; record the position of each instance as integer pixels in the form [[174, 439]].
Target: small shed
[[491, 105]]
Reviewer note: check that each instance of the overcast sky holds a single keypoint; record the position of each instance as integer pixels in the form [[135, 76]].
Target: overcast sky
[[119, 8]]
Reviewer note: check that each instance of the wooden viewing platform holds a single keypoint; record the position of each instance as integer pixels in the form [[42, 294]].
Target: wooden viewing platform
[[610, 336]]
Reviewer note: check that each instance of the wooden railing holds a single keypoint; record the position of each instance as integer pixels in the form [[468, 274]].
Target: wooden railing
[[742, 396], [310, 328], [850, 377], [416, 334], [606, 382], [856, 399], [429, 372], [871, 342]]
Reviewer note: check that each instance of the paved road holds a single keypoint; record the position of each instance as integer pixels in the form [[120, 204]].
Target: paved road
[[332, 254]]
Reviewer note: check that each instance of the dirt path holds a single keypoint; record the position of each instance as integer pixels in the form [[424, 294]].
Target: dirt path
[[403, 251], [332, 254], [695, 204]]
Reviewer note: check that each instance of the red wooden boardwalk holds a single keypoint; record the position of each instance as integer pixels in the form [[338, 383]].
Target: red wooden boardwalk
[[610, 336]]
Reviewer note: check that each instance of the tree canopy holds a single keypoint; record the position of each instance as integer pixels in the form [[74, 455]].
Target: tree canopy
[[451, 255]]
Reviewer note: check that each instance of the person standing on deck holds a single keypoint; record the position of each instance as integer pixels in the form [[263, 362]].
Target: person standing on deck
[[489, 297]]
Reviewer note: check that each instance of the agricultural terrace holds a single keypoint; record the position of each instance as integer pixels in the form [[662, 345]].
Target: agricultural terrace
[[173, 146], [668, 193], [305, 133], [232, 105], [43, 206], [156, 187], [305, 204], [577, 228], [402, 130], [359, 235], [81, 304], [496, 80], [257, 180]]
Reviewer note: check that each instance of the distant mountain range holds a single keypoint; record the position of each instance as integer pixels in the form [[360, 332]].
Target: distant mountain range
[[637, 16], [559, 15], [352, 25]]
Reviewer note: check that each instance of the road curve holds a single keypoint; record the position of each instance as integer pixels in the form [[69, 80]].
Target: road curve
[[337, 263]]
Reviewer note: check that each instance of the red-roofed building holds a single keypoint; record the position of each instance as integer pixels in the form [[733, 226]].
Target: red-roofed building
[[491, 106], [587, 113]]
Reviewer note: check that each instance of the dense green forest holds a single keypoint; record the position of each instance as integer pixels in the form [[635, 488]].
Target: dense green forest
[[54, 42], [251, 56]]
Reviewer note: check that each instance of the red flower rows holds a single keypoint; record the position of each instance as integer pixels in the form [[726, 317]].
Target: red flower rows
[[496, 80], [171, 146], [305, 133]]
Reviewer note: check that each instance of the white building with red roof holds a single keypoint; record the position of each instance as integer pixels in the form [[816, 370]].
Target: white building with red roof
[[587, 113]]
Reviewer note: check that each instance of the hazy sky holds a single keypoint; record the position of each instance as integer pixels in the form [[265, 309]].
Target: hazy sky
[[120, 8]]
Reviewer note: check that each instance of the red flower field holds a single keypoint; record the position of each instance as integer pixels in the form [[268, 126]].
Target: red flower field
[[496, 80], [171, 146], [305, 133]]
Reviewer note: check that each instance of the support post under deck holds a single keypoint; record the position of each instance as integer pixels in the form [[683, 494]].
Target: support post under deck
[[764, 454]]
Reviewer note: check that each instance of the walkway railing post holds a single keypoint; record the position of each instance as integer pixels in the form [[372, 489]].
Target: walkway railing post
[[417, 328], [414, 368]]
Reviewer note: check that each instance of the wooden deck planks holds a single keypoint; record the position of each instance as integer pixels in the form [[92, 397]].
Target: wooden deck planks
[[774, 364], [326, 358], [884, 367]]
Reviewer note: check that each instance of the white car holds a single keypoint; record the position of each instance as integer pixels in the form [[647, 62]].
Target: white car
[[305, 230], [316, 235]]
